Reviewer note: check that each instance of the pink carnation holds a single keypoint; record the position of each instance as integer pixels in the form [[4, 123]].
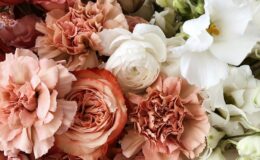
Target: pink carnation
[[169, 122], [72, 36], [32, 105]]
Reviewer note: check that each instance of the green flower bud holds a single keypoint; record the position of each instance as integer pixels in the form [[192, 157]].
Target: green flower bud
[[182, 7], [167, 20], [188, 9]]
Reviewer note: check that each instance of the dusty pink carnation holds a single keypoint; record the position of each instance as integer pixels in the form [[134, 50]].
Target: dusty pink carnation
[[100, 118], [169, 121], [20, 32], [72, 36], [32, 105]]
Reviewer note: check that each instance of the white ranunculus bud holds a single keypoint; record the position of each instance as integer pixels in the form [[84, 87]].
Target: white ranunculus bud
[[249, 147]]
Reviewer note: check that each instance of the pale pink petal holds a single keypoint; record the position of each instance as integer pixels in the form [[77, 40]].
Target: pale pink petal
[[43, 101], [27, 118], [69, 111], [25, 52], [195, 135], [132, 143], [151, 154], [46, 131], [48, 73], [65, 81], [24, 142], [23, 69], [53, 105], [41, 147], [83, 61]]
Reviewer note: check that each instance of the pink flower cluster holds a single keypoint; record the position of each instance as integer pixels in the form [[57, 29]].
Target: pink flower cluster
[[57, 100]]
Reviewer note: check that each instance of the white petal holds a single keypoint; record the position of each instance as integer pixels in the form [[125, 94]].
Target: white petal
[[141, 29], [199, 43], [107, 36], [202, 69], [158, 45], [234, 50], [230, 17], [194, 27], [249, 146]]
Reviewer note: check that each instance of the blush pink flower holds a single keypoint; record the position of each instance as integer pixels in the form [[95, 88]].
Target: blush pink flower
[[73, 36], [100, 117], [18, 33], [32, 104], [169, 122]]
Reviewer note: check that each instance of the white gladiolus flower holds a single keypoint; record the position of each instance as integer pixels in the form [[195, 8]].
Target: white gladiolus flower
[[135, 57], [249, 148], [225, 34]]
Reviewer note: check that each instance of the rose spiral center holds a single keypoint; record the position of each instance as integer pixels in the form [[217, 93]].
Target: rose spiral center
[[92, 110]]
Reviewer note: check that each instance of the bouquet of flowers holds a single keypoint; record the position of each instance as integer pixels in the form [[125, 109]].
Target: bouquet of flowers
[[129, 79]]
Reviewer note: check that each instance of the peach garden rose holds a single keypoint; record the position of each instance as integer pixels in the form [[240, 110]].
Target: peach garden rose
[[32, 104], [169, 122], [100, 117]]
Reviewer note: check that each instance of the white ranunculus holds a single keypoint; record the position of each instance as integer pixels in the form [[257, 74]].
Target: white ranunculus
[[135, 58], [249, 148], [225, 34]]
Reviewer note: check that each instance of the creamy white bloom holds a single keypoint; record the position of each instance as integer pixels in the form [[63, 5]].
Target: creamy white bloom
[[249, 148], [237, 101], [225, 34], [135, 57]]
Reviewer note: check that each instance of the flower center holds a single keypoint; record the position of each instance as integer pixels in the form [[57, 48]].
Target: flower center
[[160, 117], [92, 111], [213, 29]]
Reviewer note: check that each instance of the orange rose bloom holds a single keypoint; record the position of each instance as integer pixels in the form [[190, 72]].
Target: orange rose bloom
[[100, 117]]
